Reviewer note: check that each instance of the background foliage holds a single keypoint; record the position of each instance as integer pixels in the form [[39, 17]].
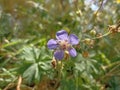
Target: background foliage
[[27, 25]]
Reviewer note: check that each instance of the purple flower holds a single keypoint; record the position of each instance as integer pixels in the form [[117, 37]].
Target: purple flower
[[63, 42]]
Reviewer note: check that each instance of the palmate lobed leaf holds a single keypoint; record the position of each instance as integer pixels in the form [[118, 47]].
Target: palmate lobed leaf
[[85, 64], [86, 71], [30, 54], [35, 62], [30, 72]]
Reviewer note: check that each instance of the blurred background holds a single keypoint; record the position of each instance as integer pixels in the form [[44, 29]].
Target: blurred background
[[27, 25]]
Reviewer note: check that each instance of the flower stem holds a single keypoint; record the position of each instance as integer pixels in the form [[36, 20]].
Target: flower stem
[[104, 35]]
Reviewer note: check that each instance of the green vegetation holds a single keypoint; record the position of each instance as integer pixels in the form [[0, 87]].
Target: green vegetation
[[26, 62]]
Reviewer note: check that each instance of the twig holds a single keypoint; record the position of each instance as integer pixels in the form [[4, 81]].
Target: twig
[[114, 68], [10, 85], [95, 14], [99, 8], [104, 35], [114, 63], [110, 73], [118, 25], [19, 83]]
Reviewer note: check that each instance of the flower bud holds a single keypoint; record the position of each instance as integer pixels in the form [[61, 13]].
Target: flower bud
[[93, 32], [99, 35], [85, 54], [66, 55], [114, 28], [53, 62], [87, 41], [119, 29]]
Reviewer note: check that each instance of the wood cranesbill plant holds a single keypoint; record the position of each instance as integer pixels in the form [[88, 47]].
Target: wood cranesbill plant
[[63, 43]]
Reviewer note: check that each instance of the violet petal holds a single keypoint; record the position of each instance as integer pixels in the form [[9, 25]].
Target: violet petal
[[59, 54], [52, 44], [72, 52], [73, 39], [62, 35]]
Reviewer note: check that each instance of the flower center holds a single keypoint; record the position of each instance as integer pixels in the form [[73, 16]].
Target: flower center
[[64, 45]]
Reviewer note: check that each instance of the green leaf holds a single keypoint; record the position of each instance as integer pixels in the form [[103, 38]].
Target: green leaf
[[35, 63]]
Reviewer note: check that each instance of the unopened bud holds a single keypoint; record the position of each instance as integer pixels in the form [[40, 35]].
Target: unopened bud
[[87, 41], [99, 35], [93, 32], [119, 29], [53, 62], [85, 54], [114, 29], [66, 55]]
